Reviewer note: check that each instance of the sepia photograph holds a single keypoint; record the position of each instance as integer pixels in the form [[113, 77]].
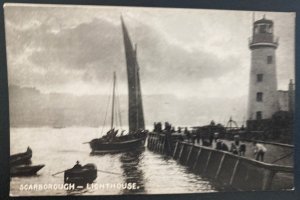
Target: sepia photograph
[[118, 100]]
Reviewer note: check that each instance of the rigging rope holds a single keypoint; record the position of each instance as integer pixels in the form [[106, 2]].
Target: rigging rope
[[109, 96], [119, 107], [115, 109], [116, 114]]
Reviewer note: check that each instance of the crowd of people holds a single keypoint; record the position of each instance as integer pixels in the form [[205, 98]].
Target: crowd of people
[[158, 128], [213, 140]]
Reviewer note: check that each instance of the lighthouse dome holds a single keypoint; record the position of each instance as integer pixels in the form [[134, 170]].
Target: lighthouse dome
[[264, 21]]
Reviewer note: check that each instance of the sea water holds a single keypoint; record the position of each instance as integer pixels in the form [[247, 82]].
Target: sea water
[[135, 172]]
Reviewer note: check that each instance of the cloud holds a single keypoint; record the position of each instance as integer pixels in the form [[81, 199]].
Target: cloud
[[190, 54], [89, 51]]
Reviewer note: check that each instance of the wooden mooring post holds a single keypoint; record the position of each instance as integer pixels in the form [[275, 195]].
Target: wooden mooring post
[[162, 142]]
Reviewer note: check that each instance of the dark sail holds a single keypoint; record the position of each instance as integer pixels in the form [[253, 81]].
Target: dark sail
[[140, 112], [135, 108]]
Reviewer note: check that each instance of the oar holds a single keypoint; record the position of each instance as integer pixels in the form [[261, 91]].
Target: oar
[[97, 170], [108, 172], [58, 172], [86, 142]]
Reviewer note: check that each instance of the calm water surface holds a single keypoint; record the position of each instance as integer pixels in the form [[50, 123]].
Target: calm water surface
[[59, 149]]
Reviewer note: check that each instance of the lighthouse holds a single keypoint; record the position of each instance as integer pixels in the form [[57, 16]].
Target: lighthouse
[[262, 99]]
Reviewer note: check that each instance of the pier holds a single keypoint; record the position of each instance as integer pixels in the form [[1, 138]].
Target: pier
[[224, 168]]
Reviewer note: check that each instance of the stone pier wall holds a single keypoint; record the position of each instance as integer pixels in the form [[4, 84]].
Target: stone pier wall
[[224, 168]]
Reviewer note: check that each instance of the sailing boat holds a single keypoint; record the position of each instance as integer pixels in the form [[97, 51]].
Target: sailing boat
[[137, 133]]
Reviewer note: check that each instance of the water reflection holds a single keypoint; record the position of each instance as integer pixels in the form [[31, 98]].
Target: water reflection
[[132, 173], [77, 191]]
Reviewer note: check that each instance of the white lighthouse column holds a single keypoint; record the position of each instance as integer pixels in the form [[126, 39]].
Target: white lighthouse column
[[263, 100]]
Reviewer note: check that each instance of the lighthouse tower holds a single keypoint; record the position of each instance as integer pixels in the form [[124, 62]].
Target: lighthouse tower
[[263, 101]]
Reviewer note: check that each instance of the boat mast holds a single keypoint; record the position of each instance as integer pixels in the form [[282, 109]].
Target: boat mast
[[136, 88], [113, 102]]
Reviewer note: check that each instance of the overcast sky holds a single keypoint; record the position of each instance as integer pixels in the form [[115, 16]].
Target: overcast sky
[[184, 52]]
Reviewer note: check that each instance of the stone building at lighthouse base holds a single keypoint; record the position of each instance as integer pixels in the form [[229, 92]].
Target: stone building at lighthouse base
[[279, 127]]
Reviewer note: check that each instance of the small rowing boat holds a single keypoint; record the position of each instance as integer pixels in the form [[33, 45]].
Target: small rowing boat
[[25, 170], [21, 158], [81, 175]]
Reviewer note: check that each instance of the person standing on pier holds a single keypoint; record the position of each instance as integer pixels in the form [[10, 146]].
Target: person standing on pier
[[211, 138], [220, 145], [198, 137], [235, 146], [187, 134], [259, 151], [155, 127], [216, 136], [179, 129]]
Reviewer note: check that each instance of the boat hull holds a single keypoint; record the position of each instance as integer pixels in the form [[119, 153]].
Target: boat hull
[[81, 176], [99, 146], [21, 158], [25, 170]]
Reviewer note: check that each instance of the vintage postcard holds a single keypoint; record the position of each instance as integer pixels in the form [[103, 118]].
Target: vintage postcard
[[132, 100]]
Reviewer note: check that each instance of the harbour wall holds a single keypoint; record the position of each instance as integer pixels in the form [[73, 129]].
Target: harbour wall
[[224, 168]]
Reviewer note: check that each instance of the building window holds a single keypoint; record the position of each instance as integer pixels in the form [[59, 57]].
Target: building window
[[258, 115], [256, 30], [270, 29], [269, 59], [259, 96], [263, 28], [259, 77]]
